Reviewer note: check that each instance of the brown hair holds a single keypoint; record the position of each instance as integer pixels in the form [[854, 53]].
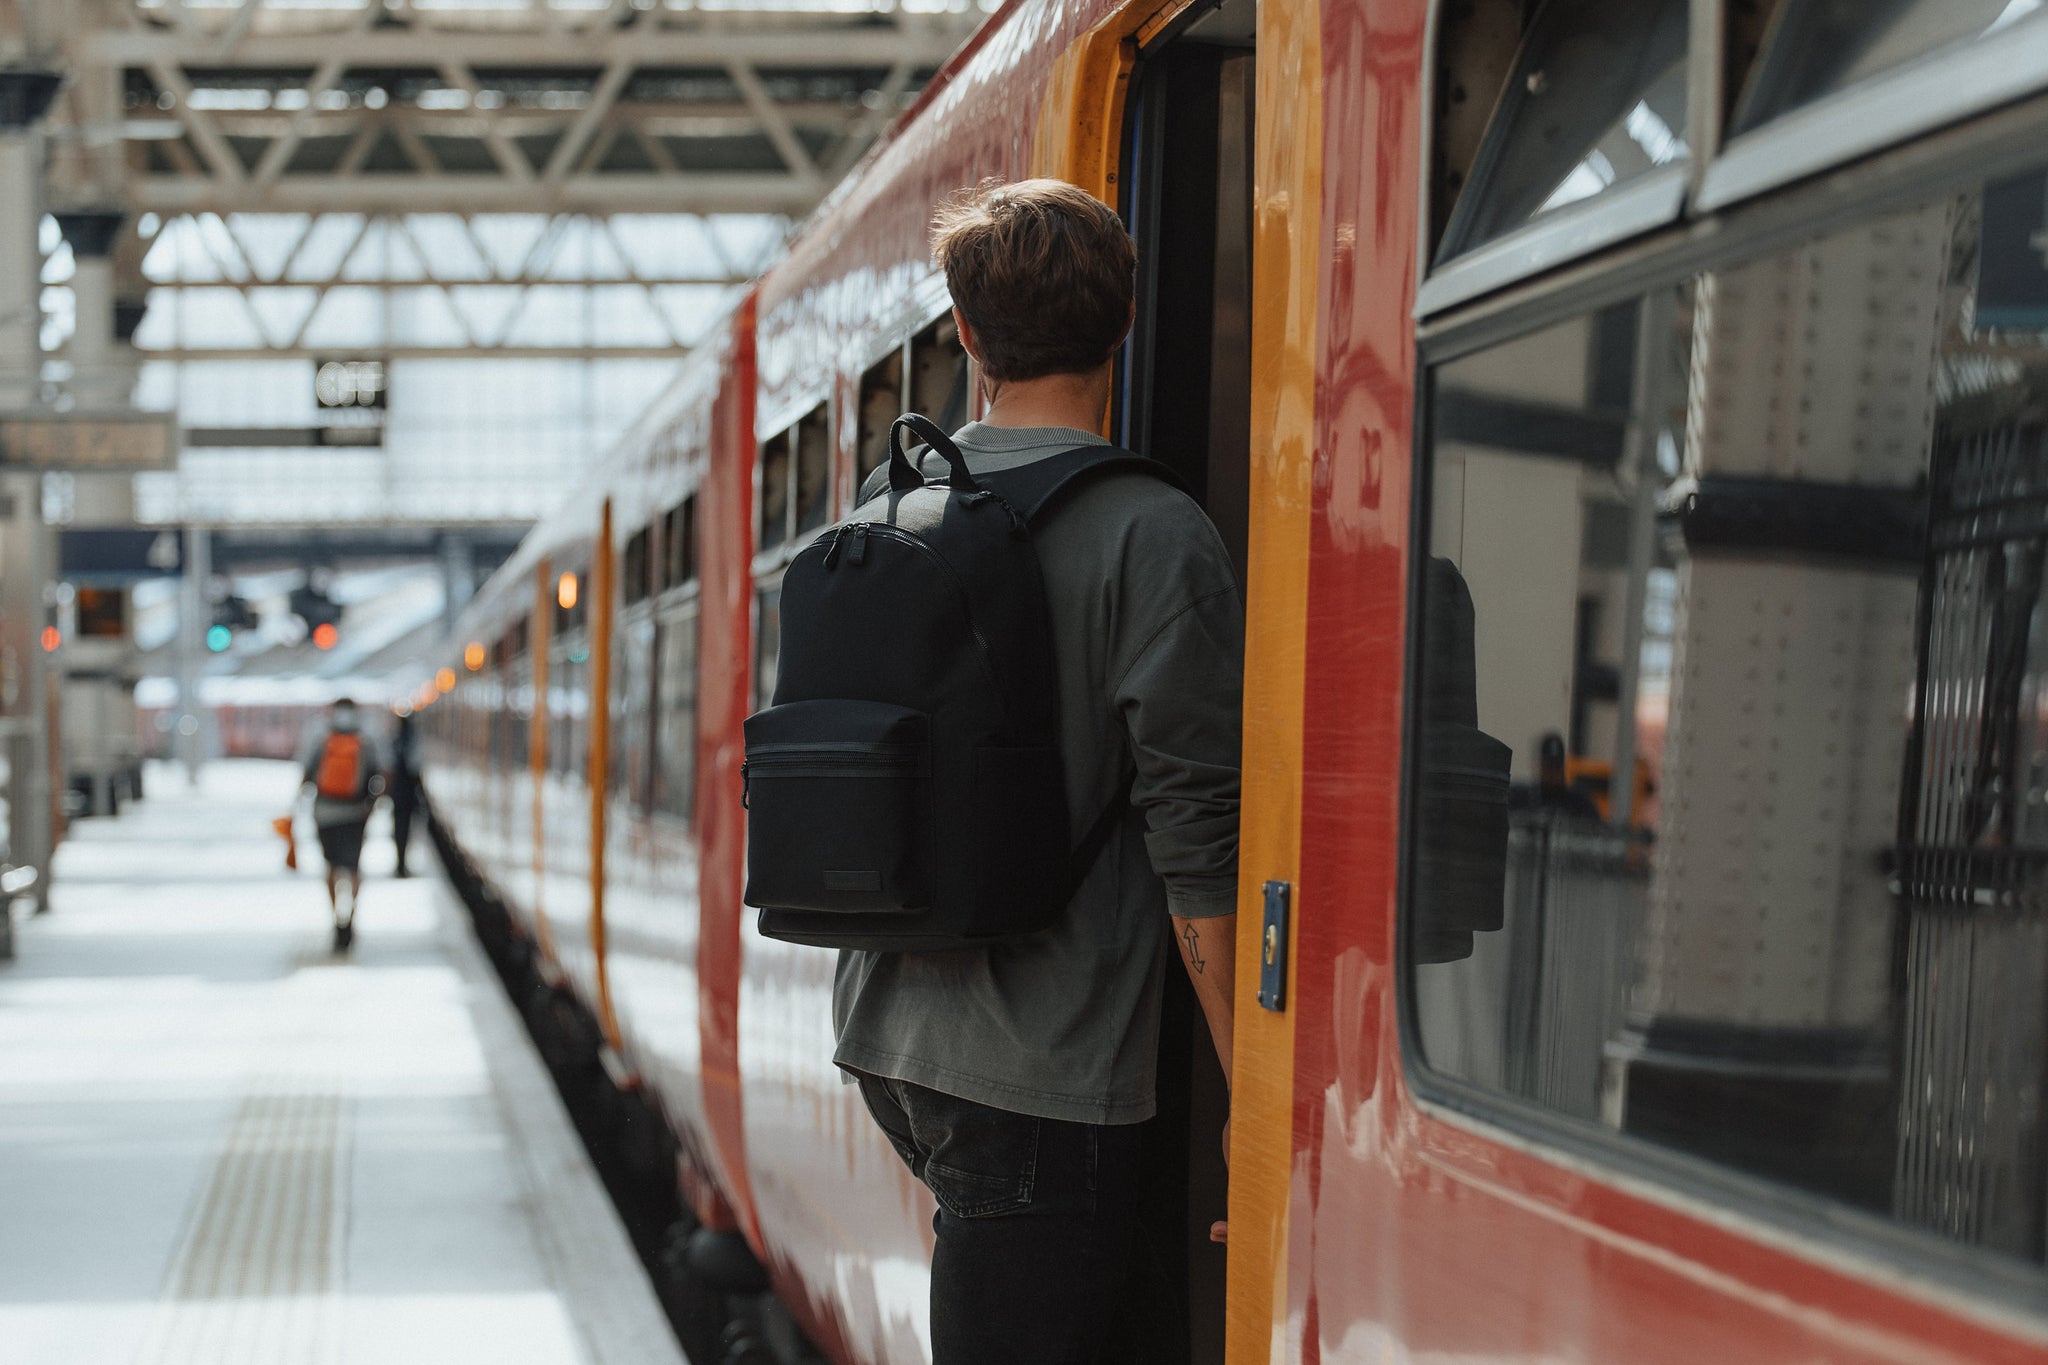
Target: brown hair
[[1043, 272]]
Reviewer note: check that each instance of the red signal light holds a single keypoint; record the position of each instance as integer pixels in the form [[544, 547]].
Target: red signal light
[[324, 636], [52, 637]]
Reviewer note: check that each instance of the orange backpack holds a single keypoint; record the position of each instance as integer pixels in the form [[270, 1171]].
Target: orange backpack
[[341, 768]]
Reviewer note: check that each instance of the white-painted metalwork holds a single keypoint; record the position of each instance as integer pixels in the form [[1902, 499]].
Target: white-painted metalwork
[[580, 189], [1564, 235]]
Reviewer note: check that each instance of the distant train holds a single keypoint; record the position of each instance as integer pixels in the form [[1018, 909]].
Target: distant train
[[1708, 343]]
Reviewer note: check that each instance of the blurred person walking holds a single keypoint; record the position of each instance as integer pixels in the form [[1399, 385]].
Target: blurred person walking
[[402, 782], [345, 779]]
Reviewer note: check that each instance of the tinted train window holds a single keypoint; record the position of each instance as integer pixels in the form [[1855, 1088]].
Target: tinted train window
[[1817, 47], [679, 543], [675, 718], [813, 470], [1729, 759], [939, 375], [1596, 99], [635, 582], [773, 527], [881, 403], [633, 732]]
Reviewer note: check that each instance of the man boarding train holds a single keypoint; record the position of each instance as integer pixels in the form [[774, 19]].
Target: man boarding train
[[1012, 1075]]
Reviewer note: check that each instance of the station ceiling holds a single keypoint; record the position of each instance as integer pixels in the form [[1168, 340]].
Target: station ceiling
[[525, 210]]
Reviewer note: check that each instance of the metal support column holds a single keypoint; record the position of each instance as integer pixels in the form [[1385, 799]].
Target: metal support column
[[25, 550], [102, 376], [458, 578]]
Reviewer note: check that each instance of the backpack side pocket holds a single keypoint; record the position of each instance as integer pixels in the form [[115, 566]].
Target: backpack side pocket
[[838, 807]]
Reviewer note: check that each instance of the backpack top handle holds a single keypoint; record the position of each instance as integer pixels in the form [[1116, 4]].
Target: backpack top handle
[[903, 475]]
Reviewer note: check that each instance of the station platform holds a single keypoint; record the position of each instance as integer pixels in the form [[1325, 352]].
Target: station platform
[[221, 1143]]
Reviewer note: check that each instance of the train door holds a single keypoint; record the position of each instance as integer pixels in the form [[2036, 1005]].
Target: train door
[[1184, 397]]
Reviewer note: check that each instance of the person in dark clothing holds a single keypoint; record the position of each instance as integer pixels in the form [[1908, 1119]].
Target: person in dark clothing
[[403, 780], [1013, 1080], [342, 774]]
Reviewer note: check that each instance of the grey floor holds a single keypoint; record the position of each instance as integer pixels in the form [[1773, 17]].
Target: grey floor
[[220, 1143]]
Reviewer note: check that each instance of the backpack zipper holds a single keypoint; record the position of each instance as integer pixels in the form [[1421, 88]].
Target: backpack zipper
[[858, 554], [854, 756], [856, 751]]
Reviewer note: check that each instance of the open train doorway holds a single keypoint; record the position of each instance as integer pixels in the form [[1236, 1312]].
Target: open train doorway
[[1184, 398]]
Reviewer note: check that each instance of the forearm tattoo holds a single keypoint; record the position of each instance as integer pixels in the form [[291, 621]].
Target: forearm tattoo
[[1194, 942]]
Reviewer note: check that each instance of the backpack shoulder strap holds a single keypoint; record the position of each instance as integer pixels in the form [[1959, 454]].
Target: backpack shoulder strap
[[1033, 489]]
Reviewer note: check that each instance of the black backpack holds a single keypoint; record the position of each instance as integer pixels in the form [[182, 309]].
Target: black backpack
[[905, 790]]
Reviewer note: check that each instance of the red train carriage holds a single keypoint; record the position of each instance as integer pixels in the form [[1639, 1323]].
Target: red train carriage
[[1648, 393]]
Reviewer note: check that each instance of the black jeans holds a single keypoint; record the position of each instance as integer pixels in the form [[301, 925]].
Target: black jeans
[[1034, 1226]]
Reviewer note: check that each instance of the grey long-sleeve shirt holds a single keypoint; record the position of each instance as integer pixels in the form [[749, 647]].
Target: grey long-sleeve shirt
[[1148, 627]]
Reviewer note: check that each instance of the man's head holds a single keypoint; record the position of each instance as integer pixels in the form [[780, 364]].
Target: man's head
[[342, 715], [1043, 273]]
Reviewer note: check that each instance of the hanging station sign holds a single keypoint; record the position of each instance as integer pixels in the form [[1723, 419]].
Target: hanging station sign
[[83, 443], [352, 396]]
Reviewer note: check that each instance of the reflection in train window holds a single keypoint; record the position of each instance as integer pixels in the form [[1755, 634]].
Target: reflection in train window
[[939, 374], [1817, 47], [1729, 751], [773, 527], [1596, 99], [881, 403], [813, 470], [675, 714]]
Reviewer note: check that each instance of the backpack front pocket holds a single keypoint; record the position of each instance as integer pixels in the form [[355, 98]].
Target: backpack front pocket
[[838, 807]]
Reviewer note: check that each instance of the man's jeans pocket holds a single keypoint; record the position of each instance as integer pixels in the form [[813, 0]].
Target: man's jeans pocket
[[977, 1160]]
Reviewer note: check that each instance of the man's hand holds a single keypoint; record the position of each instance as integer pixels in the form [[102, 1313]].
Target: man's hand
[[1208, 949]]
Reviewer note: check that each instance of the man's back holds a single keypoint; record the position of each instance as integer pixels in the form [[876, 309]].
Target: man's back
[[1148, 632]]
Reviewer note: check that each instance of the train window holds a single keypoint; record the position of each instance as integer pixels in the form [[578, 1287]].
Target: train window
[[675, 714], [565, 758], [881, 403], [1728, 759], [634, 567], [767, 641], [814, 469], [1817, 47], [679, 544], [519, 709], [1593, 110], [939, 375], [1833, 80], [773, 527], [1596, 99], [633, 756]]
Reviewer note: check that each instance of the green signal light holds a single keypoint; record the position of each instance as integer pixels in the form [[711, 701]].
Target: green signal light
[[218, 638]]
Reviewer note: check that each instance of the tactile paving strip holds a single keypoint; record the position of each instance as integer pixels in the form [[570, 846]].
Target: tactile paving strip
[[259, 1275]]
